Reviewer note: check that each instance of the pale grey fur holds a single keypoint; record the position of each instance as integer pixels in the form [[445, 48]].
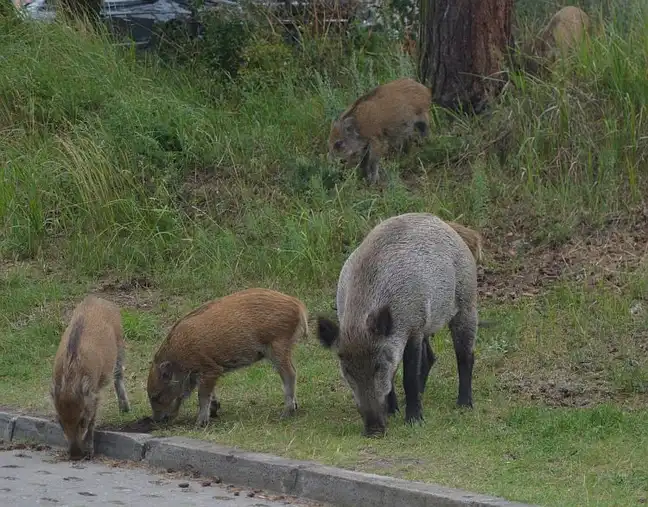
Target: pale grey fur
[[418, 267]]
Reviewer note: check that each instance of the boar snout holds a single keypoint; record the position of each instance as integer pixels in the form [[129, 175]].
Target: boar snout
[[161, 418], [375, 420], [375, 425]]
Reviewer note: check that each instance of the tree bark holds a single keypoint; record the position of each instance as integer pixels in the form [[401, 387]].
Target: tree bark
[[463, 47]]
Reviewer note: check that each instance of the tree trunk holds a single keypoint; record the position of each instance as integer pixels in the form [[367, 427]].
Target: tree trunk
[[463, 46]]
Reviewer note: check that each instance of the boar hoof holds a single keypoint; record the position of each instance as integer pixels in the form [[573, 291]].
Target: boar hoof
[[124, 407], [289, 412], [202, 421], [464, 403], [414, 418]]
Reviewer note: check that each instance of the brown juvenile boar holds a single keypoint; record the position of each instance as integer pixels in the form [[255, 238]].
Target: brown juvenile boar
[[471, 237], [388, 117], [221, 336], [91, 352], [565, 30]]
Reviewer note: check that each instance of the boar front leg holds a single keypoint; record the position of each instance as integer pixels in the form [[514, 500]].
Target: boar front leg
[[205, 389], [369, 167], [392, 400], [120, 388], [88, 440], [412, 379]]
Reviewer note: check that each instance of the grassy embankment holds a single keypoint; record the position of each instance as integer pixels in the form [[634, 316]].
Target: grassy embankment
[[161, 188]]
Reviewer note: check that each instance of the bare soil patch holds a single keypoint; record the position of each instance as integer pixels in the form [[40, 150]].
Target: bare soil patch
[[142, 425], [516, 269]]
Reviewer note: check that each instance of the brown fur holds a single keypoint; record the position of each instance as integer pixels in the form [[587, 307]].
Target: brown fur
[[563, 33], [471, 237], [224, 335], [387, 117], [90, 354]]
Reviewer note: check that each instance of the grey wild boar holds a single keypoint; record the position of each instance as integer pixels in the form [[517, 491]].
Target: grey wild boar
[[221, 336], [565, 30], [388, 117], [412, 275], [90, 354]]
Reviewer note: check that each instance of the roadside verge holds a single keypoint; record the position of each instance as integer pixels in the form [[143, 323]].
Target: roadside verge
[[342, 488]]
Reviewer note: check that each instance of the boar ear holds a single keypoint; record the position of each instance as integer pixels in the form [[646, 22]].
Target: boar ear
[[327, 332], [349, 126], [166, 370], [380, 321]]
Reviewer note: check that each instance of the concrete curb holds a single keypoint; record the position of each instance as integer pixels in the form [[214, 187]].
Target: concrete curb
[[342, 488]]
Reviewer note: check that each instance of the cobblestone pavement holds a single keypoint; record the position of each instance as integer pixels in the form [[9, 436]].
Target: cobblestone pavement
[[31, 477]]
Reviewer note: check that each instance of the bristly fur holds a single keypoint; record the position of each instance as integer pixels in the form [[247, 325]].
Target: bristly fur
[[224, 335], [75, 336], [90, 354], [388, 117], [412, 275], [471, 237]]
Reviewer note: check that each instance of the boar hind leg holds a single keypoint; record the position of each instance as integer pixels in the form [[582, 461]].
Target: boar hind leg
[[427, 361], [412, 379], [463, 328], [281, 358], [120, 388], [205, 389]]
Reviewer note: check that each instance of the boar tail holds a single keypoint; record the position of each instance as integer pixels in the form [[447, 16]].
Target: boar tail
[[471, 237], [303, 324]]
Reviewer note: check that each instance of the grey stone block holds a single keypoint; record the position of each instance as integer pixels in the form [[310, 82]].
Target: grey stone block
[[252, 470], [342, 488], [129, 446], [7, 422], [345, 488], [42, 431]]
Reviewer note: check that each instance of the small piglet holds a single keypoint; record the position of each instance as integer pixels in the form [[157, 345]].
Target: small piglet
[[90, 354], [412, 275], [224, 335]]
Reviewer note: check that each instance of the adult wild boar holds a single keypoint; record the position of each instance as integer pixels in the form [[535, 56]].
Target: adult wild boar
[[412, 275], [387, 117], [221, 336], [90, 353]]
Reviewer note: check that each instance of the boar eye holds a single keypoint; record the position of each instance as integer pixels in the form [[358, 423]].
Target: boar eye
[[337, 145]]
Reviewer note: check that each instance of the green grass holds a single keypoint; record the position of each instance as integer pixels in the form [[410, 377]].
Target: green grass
[[119, 171]]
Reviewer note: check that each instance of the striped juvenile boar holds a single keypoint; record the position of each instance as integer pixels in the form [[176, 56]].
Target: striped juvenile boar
[[565, 30], [90, 354], [412, 275], [221, 336], [388, 117]]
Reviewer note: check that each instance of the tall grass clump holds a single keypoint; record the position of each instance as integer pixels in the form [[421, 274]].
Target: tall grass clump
[[187, 157]]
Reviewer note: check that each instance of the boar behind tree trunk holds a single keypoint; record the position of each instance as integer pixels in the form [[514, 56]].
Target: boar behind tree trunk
[[463, 46]]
